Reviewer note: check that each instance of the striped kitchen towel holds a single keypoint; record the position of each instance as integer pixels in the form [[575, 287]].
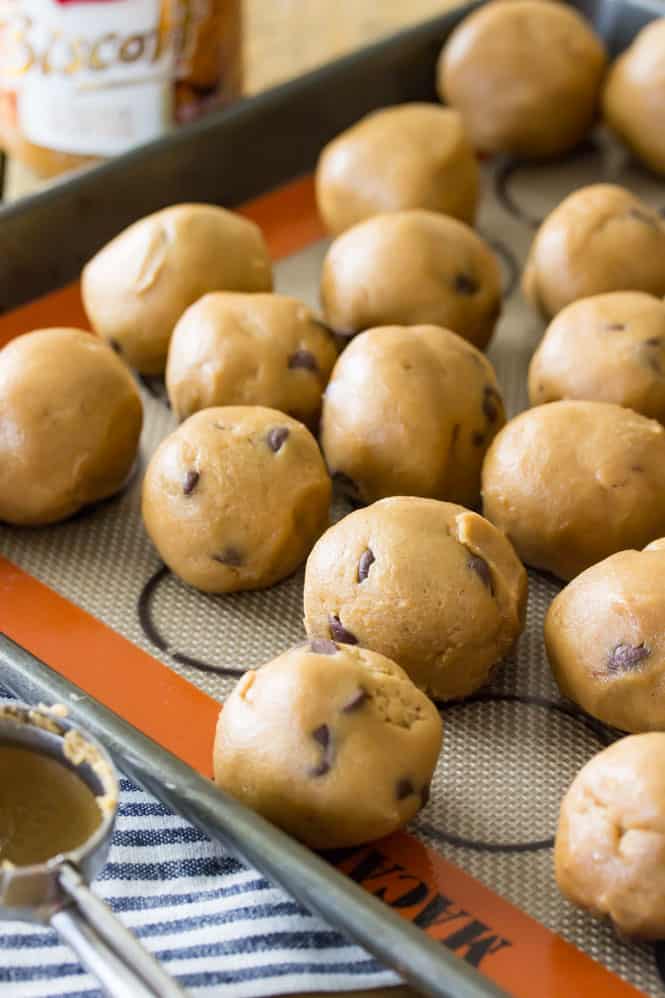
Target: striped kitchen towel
[[218, 926]]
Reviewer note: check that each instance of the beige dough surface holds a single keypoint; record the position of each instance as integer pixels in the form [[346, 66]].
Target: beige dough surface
[[600, 238], [408, 268], [525, 76], [429, 584], [410, 411], [249, 349], [571, 483], [334, 744], [70, 422], [136, 288], [605, 640], [235, 498], [610, 843], [608, 348], [409, 156], [634, 95]]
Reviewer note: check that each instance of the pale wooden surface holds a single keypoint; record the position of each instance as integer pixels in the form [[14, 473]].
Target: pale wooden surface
[[288, 37]]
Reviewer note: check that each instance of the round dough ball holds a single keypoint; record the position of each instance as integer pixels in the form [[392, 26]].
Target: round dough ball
[[605, 640], [609, 348], [410, 411], [137, 287], [410, 156], [333, 744], [412, 267], [430, 584], [235, 498], [70, 423], [600, 238], [249, 349], [610, 843], [634, 96], [525, 76], [572, 482]]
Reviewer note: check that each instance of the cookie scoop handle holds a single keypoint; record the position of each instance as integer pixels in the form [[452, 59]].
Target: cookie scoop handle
[[105, 947]]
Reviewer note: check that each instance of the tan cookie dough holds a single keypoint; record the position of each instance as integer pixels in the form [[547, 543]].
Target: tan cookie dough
[[525, 76], [634, 95], [600, 238], [410, 410], [137, 287], [610, 843], [410, 156], [70, 422], [408, 268], [608, 348], [333, 744], [429, 584], [605, 640], [235, 498], [249, 349], [573, 482]]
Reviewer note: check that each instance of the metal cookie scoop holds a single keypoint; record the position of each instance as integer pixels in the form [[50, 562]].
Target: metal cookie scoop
[[56, 892]]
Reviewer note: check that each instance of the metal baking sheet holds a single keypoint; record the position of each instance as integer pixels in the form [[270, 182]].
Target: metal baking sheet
[[510, 751]]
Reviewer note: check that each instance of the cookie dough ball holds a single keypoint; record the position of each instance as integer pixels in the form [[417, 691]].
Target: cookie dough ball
[[610, 843], [430, 584], [634, 96], [573, 482], [408, 268], [333, 744], [235, 498], [609, 348], [411, 156], [137, 287], [600, 238], [70, 422], [605, 641], [525, 76], [410, 411], [249, 349]]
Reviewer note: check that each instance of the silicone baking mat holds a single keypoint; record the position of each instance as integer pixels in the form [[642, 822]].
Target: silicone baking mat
[[509, 752]]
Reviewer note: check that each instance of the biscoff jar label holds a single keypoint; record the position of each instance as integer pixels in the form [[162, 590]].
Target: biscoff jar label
[[91, 77]]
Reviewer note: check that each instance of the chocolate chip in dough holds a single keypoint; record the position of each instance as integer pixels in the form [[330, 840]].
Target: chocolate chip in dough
[[304, 360], [491, 403], [482, 570], [465, 284], [338, 631], [477, 439], [624, 658], [190, 482], [322, 646], [615, 327], [367, 559], [356, 702], [229, 556], [277, 437], [115, 346], [404, 789], [322, 736]]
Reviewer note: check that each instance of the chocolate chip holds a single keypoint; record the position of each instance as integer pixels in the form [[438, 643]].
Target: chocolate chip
[[322, 646], [367, 559], [636, 467], [404, 789], [424, 794], [356, 702], [623, 658], [322, 736], [115, 346], [455, 434], [482, 570], [615, 327], [465, 284], [190, 482], [642, 216], [229, 556], [339, 633], [276, 437], [477, 439], [303, 359], [655, 341], [491, 403]]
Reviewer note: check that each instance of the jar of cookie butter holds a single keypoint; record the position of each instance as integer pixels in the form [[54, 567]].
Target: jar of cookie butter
[[82, 80]]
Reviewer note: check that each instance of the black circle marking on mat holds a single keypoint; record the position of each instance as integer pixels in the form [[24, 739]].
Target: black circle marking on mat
[[600, 731], [155, 637], [508, 167], [508, 257]]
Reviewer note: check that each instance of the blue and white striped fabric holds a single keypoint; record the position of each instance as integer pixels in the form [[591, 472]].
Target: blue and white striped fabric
[[219, 927]]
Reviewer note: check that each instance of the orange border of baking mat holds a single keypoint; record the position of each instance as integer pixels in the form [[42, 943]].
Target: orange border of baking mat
[[507, 945]]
